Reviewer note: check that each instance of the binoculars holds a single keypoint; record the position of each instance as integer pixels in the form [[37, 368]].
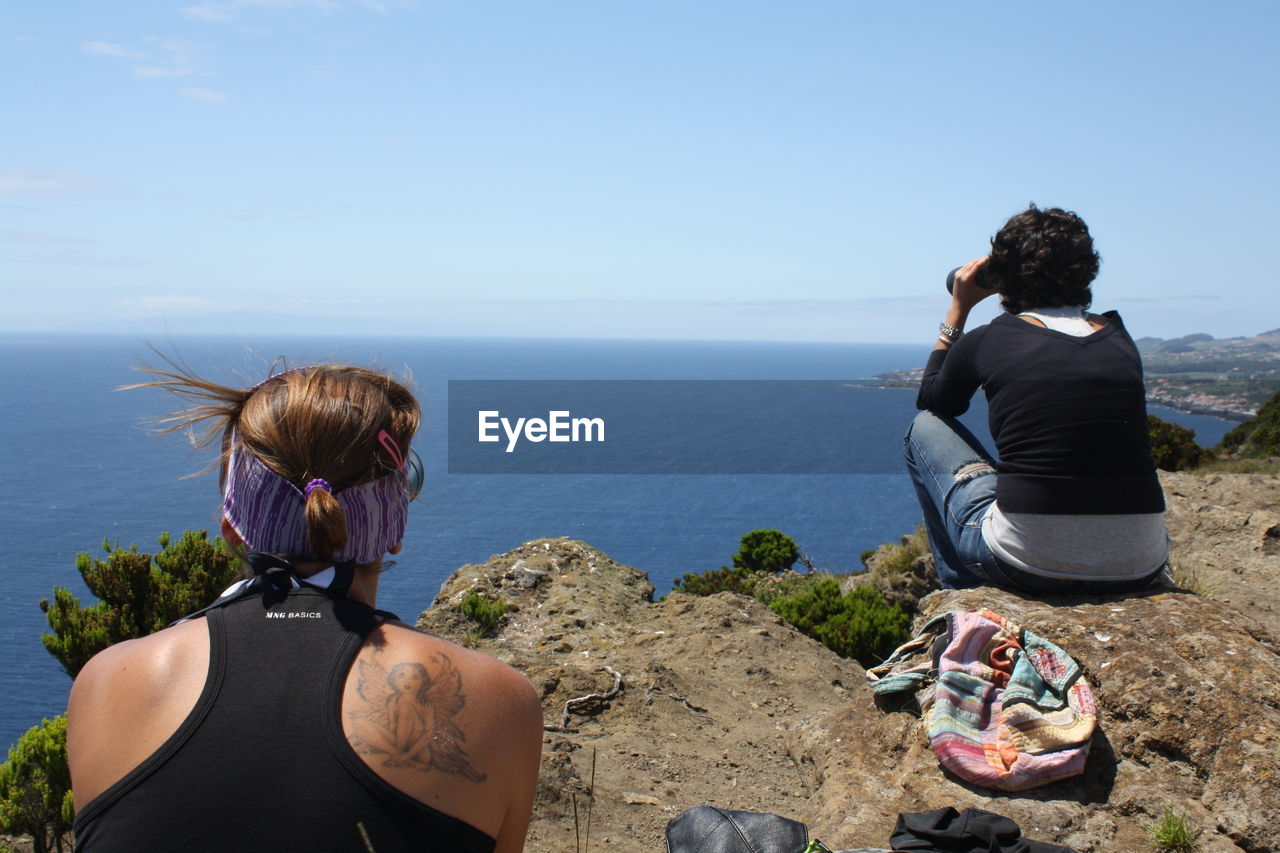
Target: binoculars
[[980, 279]]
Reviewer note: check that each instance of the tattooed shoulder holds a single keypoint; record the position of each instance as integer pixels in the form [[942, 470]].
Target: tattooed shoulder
[[405, 715]]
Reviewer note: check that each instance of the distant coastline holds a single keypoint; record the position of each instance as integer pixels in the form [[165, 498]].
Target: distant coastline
[[1226, 378]]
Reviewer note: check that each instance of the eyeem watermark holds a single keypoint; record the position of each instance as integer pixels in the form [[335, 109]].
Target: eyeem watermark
[[559, 426], [675, 427]]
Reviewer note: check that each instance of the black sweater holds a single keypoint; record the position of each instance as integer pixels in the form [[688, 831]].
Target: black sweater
[[1068, 414]]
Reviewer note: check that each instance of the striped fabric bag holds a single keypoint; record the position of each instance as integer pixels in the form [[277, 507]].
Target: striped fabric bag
[[1008, 709]]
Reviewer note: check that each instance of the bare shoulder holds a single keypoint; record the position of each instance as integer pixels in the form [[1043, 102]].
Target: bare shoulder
[[453, 728], [146, 686], [149, 655], [495, 692]]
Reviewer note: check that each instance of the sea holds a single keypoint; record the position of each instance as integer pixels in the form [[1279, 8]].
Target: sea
[[83, 465]]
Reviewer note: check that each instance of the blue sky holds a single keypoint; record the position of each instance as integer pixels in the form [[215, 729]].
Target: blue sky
[[746, 170]]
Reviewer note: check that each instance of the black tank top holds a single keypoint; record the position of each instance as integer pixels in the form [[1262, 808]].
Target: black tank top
[[261, 763]]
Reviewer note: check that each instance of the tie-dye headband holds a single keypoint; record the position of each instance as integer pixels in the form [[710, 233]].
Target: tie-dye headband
[[269, 513]]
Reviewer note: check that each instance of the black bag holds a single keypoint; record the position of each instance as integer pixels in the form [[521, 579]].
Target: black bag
[[970, 831], [706, 829]]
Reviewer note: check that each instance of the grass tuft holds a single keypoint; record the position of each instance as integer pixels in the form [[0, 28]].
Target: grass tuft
[[894, 559], [484, 610], [1230, 465], [1173, 833], [1190, 580]]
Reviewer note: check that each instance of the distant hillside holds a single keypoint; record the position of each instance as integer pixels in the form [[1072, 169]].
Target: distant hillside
[[1201, 342], [1259, 436], [1231, 376]]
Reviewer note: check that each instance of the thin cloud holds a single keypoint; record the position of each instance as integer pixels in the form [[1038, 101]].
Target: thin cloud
[[73, 257], [1181, 297], [108, 48], [32, 238], [211, 12], [383, 7], [221, 11], [208, 96], [175, 58], [162, 58], [174, 302], [229, 10], [46, 184]]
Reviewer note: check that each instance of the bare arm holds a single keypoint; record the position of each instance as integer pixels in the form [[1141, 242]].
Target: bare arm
[[525, 714], [145, 687], [965, 294]]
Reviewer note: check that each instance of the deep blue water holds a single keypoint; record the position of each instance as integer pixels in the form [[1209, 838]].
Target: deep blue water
[[81, 466]]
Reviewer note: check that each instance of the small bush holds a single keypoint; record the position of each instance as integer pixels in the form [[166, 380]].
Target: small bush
[[770, 588], [896, 558], [760, 553], [1173, 446], [1173, 833], [1188, 579], [766, 551], [860, 625], [35, 787], [723, 579], [484, 610]]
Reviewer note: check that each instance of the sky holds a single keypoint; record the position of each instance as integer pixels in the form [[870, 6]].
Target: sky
[[795, 170]]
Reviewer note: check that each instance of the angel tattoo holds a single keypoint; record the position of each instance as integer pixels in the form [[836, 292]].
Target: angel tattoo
[[409, 717]]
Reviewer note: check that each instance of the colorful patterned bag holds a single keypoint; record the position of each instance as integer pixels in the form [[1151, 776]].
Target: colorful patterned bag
[[1008, 709]]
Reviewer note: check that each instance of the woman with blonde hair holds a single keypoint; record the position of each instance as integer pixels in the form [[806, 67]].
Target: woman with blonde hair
[[291, 714]]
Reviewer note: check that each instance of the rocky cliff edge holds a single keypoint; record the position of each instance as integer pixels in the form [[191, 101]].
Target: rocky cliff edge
[[684, 701]]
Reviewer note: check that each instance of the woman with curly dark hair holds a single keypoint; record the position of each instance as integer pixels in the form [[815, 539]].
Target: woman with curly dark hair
[[1073, 503]]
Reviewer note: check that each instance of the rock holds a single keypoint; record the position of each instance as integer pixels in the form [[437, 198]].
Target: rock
[[1226, 534], [633, 799], [903, 587], [1189, 720], [683, 730]]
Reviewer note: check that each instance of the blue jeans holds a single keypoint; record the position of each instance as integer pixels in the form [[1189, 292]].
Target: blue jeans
[[955, 480]]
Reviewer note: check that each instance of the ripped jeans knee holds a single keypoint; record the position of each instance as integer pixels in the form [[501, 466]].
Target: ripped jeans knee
[[969, 470]]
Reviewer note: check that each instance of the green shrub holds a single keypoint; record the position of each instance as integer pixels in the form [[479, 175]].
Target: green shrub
[[860, 625], [766, 551], [760, 553], [1173, 833], [894, 558], [1173, 446], [484, 610], [770, 588], [1259, 436], [723, 579], [138, 594], [35, 786]]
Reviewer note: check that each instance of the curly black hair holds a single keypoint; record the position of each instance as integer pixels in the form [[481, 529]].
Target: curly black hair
[[1042, 259]]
